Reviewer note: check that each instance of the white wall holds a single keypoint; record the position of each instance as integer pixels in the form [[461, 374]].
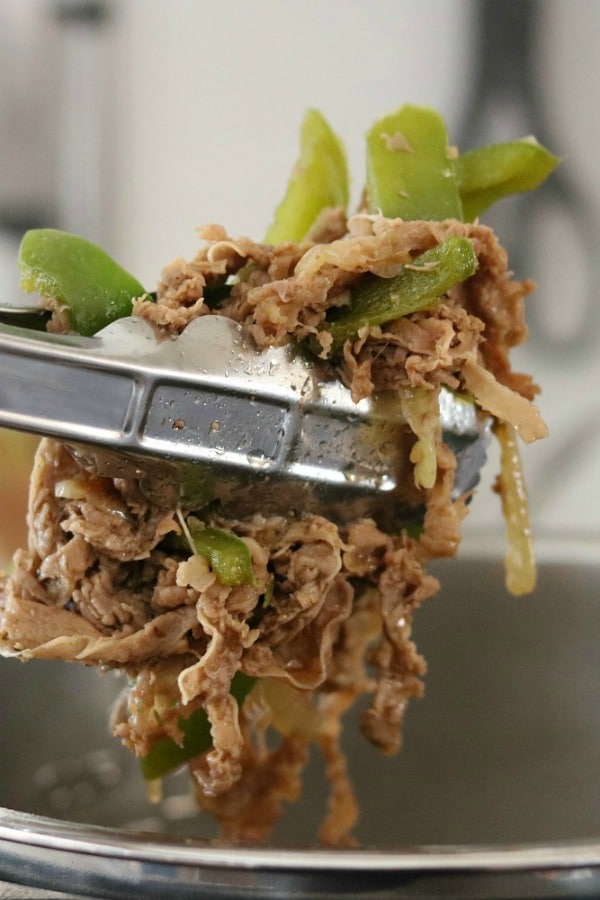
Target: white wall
[[213, 95]]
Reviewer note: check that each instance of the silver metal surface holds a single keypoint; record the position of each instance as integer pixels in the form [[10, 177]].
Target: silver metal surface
[[208, 415], [495, 794]]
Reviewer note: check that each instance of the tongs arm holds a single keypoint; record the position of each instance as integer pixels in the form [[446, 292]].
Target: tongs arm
[[208, 415]]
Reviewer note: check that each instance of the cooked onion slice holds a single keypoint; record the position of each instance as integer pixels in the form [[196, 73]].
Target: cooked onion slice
[[501, 401], [421, 410], [520, 560]]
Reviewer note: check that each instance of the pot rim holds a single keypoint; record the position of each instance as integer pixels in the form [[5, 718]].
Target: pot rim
[[52, 834]]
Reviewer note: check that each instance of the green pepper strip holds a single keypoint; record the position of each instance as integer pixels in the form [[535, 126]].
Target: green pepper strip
[[410, 170], [165, 755], [417, 287], [230, 559], [319, 180], [228, 556], [488, 174], [92, 286]]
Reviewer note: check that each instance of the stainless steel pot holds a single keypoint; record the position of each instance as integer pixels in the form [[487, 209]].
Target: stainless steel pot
[[496, 793]]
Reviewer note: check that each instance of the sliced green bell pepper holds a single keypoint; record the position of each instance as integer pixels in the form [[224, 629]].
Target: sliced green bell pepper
[[166, 755], [410, 169], [92, 286], [228, 556], [416, 287], [488, 174], [319, 180]]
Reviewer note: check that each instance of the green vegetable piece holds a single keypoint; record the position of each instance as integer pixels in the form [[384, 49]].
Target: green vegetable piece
[[488, 174], [319, 180], [228, 556], [166, 756], [93, 287], [410, 170], [419, 286]]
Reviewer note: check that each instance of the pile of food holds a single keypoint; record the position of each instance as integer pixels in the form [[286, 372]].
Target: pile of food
[[244, 640]]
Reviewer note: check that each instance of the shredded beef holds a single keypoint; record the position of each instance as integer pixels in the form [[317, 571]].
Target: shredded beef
[[108, 578]]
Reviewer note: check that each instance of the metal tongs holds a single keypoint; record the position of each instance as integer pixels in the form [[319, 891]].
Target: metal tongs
[[207, 417]]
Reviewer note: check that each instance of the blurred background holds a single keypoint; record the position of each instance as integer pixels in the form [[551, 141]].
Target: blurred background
[[132, 122]]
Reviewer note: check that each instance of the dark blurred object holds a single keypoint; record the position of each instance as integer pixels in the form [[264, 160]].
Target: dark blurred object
[[508, 101], [82, 12]]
